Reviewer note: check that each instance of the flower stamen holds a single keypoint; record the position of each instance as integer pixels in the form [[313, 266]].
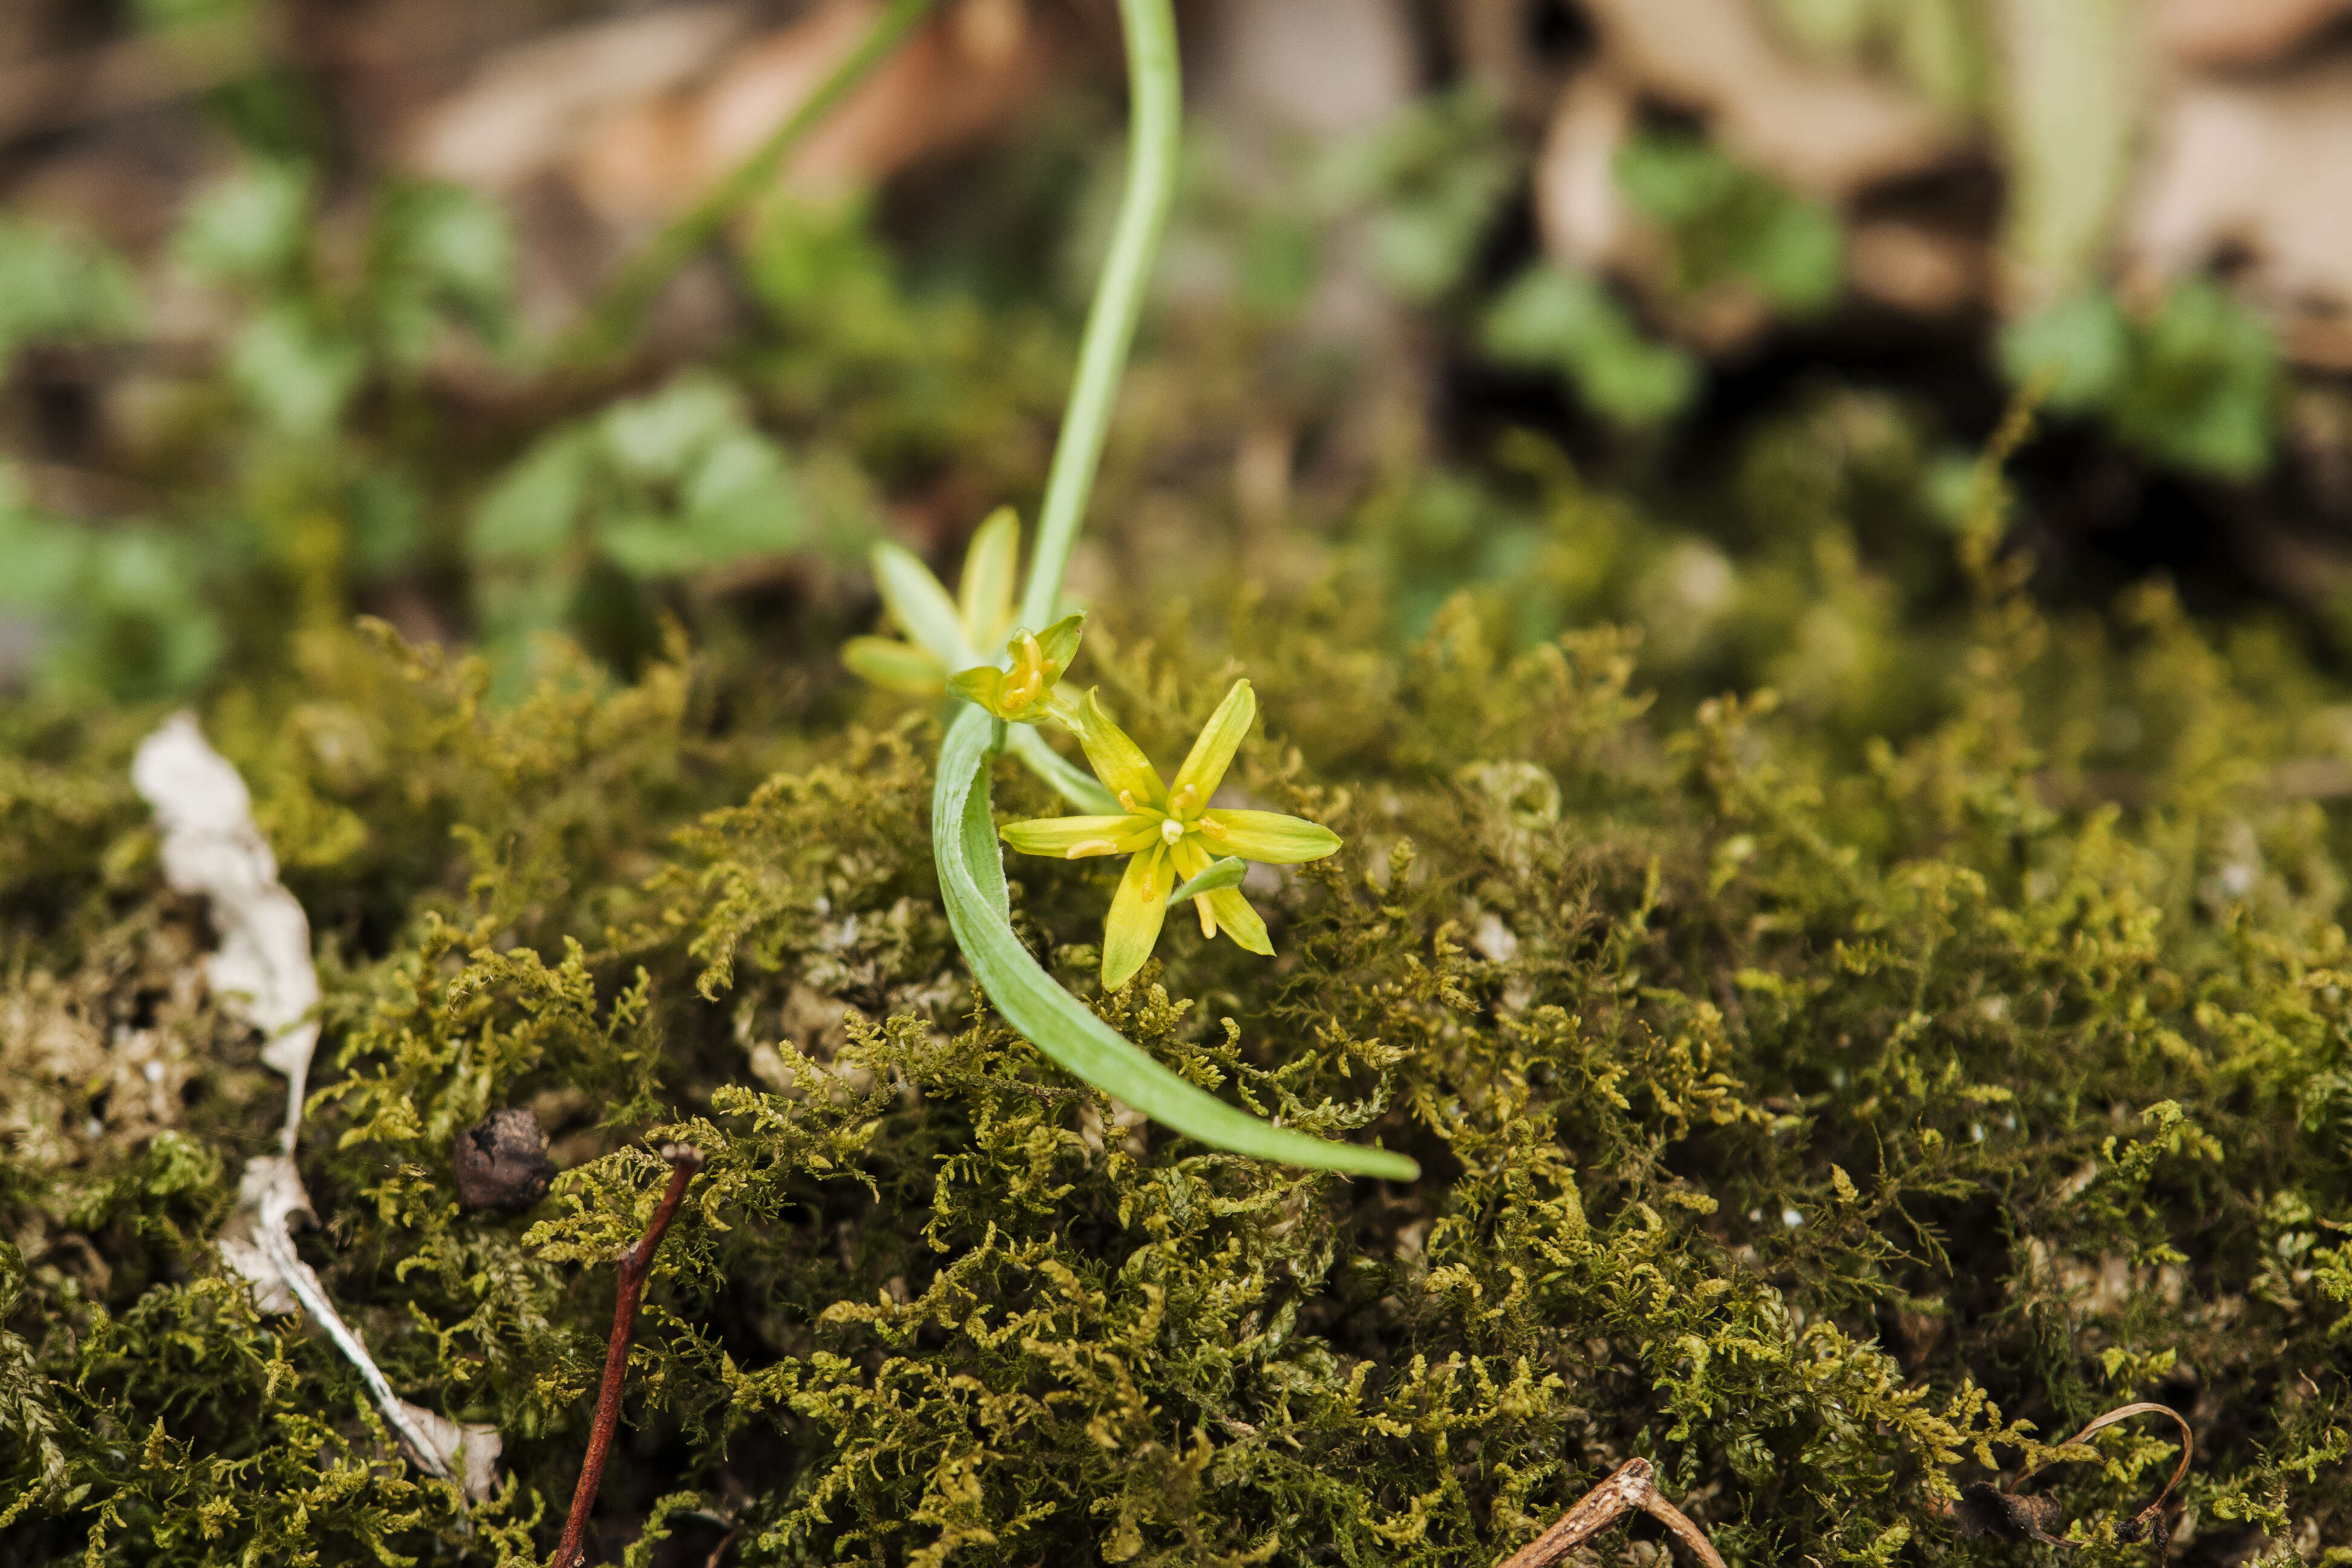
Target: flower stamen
[[1086, 847]]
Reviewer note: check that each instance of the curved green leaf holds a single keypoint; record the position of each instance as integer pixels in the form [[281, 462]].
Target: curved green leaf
[[971, 884]]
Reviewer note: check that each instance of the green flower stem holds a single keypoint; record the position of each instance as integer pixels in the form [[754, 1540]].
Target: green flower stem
[[1156, 118], [964, 830], [1066, 778], [971, 885], [618, 311]]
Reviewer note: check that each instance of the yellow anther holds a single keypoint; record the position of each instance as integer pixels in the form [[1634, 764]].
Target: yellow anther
[[1210, 827], [1086, 847], [1126, 800], [1184, 798]]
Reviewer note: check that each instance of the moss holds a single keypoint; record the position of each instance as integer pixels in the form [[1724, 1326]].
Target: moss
[[1825, 1122]]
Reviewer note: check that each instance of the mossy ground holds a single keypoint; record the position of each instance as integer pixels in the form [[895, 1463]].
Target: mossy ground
[[1813, 1119]]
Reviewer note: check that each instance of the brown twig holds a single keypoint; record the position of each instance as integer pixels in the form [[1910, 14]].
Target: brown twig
[[685, 1159], [2140, 1523], [1632, 1484]]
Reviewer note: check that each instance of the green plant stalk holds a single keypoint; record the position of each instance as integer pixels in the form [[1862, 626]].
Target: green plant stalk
[[1156, 118], [616, 314], [963, 830]]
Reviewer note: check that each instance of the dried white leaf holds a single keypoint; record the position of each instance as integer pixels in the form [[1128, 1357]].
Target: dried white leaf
[[212, 847], [469, 1451], [263, 972]]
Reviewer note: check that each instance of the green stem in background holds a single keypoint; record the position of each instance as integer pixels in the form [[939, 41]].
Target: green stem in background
[[963, 830], [614, 320], [1156, 118]]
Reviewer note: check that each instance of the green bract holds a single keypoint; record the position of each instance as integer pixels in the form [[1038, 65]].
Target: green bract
[[1025, 693]]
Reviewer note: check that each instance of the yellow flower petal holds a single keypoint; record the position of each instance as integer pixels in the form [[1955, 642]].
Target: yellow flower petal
[[1117, 759], [1077, 836], [983, 684], [918, 603], [1136, 913], [1212, 753], [1266, 836], [1238, 920], [893, 665], [984, 594], [1190, 861]]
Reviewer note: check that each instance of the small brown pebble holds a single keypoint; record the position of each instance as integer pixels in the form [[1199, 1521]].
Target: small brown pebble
[[1986, 1510], [501, 1160]]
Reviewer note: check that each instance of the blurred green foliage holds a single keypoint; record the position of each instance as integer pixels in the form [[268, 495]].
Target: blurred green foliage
[[1430, 186], [1555, 320], [54, 288], [648, 489], [1725, 221], [2193, 383]]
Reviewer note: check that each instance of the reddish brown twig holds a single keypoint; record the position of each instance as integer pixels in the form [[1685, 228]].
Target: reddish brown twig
[[685, 1159], [1632, 1484], [2148, 1520]]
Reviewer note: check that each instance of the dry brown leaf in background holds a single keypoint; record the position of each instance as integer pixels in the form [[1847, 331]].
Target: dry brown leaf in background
[[2242, 32], [1495, 45], [529, 107], [1579, 212], [1327, 69], [2258, 169], [960, 74], [1925, 271], [1826, 132]]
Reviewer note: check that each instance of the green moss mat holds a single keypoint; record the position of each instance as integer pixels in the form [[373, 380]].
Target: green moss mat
[[1807, 1122]]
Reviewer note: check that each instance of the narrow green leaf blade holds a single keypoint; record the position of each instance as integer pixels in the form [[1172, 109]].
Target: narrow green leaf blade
[[972, 885]]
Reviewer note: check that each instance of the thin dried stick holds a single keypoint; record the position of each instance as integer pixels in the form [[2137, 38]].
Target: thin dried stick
[[685, 1159], [2140, 1520], [1632, 1484]]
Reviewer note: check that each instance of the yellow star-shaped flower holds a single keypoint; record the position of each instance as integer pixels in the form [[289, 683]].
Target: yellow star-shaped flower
[[1172, 833]]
